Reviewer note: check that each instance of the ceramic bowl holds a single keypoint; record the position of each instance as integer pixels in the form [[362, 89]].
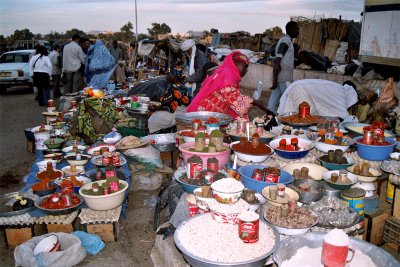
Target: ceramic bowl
[[304, 145], [251, 158], [228, 217], [324, 147], [67, 170], [47, 244], [279, 201], [227, 196], [53, 157], [339, 186], [366, 179], [373, 152], [202, 202], [42, 165], [47, 127], [104, 202], [68, 149], [395, 156], [71, 159], [356, 129], [315, 171], [95, 150]]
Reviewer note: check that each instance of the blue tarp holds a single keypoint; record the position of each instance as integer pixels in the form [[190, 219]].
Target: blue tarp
[[99, 65]]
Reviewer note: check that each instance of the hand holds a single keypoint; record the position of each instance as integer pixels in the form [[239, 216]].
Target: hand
[[274, 85]]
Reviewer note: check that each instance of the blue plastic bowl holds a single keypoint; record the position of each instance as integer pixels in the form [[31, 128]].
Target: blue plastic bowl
[[246, 173], [303, 143], [371, 152], [334, 166], [188, 188]]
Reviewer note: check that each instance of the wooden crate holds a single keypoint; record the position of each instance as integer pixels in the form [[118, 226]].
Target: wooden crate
[[64, 228], [30, 146], [17, 236], [396, 204], [374, 227], [106, 231]]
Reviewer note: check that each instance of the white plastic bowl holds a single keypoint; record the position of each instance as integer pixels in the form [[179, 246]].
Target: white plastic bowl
[[42, 165], [104, 202], [251, 158], [324, 147]]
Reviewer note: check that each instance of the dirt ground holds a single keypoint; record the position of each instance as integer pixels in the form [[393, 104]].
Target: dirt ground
[[19, 110]]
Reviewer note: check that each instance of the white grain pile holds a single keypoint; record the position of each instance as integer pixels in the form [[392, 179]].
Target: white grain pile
[[237, 207], [227, 185], [218, 242], [337, 237], [302, 258]]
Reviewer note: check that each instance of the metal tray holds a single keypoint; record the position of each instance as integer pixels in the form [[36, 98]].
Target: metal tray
[[6, 211], [57, 211], [224, 119], [289, 247], [162, 142], [195, 261], [304, 124]]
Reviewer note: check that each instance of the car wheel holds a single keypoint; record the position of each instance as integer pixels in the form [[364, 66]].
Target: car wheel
[[3, 89]]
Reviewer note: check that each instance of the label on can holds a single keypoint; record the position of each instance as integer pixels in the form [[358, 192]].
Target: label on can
[[209, 177], [67, 200], [193, 210], [194, 170], [248, 231], [106, 160], [114, 186], [99, 175], [106, 191], [271, 178], [389, 192], [116, 160], [212, 166]]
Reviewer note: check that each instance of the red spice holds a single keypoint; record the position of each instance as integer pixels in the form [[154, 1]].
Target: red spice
[[191, 134], [374, 143], [212, 120], [60, 204], [246, 147]]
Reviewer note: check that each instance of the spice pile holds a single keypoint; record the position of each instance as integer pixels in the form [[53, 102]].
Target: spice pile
[[297, 218], [202, 178], [246, 147], [297, 119], [218, 242]]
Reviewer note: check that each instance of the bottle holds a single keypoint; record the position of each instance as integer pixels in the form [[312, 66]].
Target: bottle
[[257, 92], [110, 171], [99, 174]]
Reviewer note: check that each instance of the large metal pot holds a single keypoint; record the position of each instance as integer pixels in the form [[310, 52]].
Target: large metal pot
[[289, 247]]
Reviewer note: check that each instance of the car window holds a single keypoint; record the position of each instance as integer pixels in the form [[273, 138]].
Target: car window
[[14, 58]]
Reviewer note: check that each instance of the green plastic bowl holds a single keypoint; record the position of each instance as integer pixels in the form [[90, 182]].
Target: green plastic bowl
[[57, 143]]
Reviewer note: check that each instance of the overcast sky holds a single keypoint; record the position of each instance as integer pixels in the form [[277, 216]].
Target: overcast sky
[[43, 16]]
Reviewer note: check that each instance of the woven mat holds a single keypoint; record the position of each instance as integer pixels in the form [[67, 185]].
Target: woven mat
[[100, 216], [58, 219]]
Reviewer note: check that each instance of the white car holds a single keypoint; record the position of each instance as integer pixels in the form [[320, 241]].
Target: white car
[[14, 69]]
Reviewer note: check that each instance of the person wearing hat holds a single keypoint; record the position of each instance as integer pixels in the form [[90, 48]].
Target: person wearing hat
[[197, 59], [220, 92]]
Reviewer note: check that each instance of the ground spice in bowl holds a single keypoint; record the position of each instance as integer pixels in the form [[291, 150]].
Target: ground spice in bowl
[[246, 147]]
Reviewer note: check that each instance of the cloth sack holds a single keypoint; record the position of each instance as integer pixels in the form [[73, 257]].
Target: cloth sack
[[71, 253]]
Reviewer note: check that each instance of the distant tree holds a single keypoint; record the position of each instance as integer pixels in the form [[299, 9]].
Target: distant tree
[[157, 28], [54, 36], [104, 36], [274, 32], [178, 36], [242, 33], [142, 36], [127, 31], [24, 34], [38, 36], [69, 33]]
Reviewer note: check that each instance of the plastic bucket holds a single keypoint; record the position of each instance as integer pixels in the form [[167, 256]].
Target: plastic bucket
[[40, 137]]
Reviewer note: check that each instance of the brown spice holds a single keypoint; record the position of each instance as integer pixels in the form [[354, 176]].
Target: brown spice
[[247, 148]]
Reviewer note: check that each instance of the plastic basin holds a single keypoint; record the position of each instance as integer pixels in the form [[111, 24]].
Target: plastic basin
[[246, 173], [223, 156], [335, 166], [104, 202], [372, 152]]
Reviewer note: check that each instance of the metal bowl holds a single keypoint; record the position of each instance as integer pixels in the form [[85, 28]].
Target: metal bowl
[[224, 119], [56, 211], [195, 261], [310, 196], [162, 142], [7, 211], [289, 247]]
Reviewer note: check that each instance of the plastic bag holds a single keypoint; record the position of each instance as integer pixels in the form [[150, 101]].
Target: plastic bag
[[257, 92], [92, 243], [71, 253], [146, 181], [146, 154]]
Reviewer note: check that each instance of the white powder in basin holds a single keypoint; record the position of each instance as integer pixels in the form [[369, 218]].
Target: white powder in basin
[[227, 185], [220, 242], [302, 258], [337, 237]]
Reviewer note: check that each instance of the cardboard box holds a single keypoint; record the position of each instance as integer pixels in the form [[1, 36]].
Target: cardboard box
[[104, 230], [64, 228], [396, 205], [17, 236]]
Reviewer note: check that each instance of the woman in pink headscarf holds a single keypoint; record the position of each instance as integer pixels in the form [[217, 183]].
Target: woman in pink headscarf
[[221, 91]]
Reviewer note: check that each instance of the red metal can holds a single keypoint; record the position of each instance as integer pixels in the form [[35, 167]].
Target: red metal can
[[212, 165], [249, 223], [116, 160], [66, 198], [379, 136], [368, 136], [104, 149], [194, 170], [258, 175], [74, 104], [105, 160], [99, 175], [304, 110], [106, 191]]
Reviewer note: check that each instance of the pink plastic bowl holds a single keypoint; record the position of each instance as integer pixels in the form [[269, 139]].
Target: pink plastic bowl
[[222, 157]]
